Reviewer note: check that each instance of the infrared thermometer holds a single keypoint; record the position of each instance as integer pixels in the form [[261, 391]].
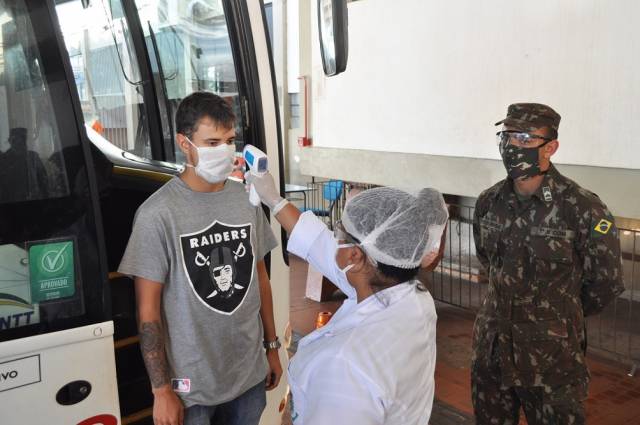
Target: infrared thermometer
[[258, 164]]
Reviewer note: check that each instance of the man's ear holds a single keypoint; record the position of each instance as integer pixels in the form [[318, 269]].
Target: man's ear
[[183, 143], [551, 148]]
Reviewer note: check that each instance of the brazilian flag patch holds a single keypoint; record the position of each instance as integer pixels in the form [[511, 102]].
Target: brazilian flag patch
[[603, 226]]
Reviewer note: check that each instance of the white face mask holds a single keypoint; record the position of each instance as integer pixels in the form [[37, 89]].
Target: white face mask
[[343, 272], [214, 163]]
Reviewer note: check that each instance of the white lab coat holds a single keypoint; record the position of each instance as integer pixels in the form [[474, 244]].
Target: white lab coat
[[374, 362]]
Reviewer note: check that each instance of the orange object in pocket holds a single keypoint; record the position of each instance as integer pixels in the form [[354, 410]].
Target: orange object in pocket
[[323, 318]]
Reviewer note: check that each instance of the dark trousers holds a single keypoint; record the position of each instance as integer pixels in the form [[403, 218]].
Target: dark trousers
[[496, 404]]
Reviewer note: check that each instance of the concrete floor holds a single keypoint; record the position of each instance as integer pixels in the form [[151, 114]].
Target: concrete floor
[[614, 397]]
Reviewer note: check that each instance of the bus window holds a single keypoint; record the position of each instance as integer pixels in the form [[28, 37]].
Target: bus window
[[29, 140], [106, 72], [47, 228], [190, 50]]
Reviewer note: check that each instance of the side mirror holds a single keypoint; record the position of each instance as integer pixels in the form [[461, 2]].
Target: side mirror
[[334, 35]]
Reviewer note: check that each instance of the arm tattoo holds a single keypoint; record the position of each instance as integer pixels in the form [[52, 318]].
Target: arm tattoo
[[155, 358]]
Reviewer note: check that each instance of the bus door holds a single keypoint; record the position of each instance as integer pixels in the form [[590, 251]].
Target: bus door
[[56, 336], [133, 62]]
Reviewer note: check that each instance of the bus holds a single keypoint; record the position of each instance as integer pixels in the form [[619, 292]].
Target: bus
[[88, 90]]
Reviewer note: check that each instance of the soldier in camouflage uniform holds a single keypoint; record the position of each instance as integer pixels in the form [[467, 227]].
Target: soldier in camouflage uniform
[[552, 256]]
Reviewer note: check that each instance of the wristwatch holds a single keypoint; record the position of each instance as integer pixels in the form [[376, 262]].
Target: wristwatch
[[272, 345]]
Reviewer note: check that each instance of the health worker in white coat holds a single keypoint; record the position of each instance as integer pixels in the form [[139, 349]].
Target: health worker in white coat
[[374, 362]]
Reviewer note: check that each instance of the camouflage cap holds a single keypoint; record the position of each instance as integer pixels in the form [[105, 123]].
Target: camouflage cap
[[530, 116]]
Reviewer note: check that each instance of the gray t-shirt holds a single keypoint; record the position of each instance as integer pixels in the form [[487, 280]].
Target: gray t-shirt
[[204, 248]]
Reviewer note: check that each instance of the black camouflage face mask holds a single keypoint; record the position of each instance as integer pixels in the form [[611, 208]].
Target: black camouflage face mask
[[521, 162]]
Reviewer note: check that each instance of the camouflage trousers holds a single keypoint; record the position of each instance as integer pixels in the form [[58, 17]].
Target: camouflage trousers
[[496, 404]]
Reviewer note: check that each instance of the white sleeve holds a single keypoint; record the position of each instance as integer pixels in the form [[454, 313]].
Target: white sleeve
[[312, 241], [341, 394]]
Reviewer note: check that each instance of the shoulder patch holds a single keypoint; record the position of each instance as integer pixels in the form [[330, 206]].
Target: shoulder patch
[[603, 226]]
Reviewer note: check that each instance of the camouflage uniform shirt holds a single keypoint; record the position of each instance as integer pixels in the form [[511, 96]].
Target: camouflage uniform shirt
[[551, 260]]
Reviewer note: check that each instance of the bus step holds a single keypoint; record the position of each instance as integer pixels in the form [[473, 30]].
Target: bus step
[[143, 417], [134, 388], [123, 306]]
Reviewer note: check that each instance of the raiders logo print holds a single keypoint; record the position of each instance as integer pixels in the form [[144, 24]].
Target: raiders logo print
[[218, 262]]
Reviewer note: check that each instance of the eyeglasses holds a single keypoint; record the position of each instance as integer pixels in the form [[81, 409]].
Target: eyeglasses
[[341, 234], [523, 139]]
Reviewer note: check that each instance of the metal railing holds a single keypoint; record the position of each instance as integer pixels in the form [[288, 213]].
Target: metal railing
[[614, 333], [460, 279], [326, 198]]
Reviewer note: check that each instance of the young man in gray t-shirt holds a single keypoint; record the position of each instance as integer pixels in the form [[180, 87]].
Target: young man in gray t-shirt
[[203, 293]]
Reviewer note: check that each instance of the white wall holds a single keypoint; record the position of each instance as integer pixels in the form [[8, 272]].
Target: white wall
[[293, 45], [432, 76]]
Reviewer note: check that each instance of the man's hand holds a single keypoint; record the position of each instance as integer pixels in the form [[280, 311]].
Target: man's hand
[[275, 370], [429, 261], [167, 407]]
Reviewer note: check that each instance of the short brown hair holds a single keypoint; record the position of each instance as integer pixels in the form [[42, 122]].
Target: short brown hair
[[199, 105]]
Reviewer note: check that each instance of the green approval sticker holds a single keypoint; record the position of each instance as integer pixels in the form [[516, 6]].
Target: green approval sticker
[[51, 270]]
